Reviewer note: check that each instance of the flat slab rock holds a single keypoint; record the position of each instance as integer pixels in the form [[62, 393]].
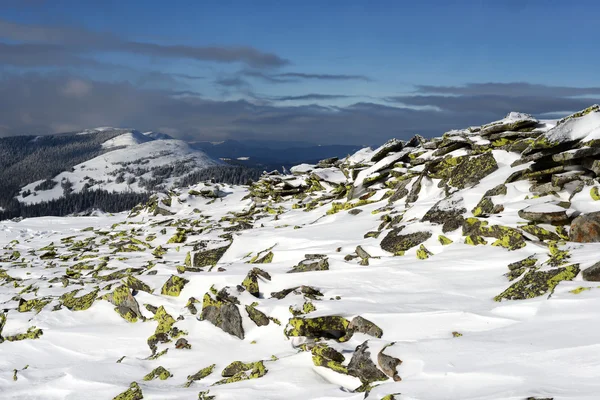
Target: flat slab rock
[[545, 213]]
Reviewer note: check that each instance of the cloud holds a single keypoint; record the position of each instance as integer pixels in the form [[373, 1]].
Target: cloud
[[40, 104], [324, 77], [76, 41], [76, 88], [312, 96], [500, 98], [193, 117], [289, 77], [513, 89]]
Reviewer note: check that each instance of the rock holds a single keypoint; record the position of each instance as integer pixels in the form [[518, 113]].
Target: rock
[[545, 214], [239, 371], [258, 317], [537, 283], [396, 243], [362, 325], [509, 238], [133, 393], [388, 365], [182, 343], [585, 228], [222, 311], [250, 283], [311, 264], [209, 257], [125, 304], [390, 146], [158, 372], [328, 327], [363, 368], [307, 291], [203, 373], [447, 212], [592, 273], [469, 172], [173, 286], [325, 356], [355, 211], [514, 121]]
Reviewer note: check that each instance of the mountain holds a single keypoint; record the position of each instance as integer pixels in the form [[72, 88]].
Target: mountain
[[90, 165], [132, 163], [270, 155], [459, 267]]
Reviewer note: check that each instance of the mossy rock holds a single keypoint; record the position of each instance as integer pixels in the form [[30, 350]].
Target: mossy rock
[[31, 334], [258, 317], [135, 284], [540, 233], [173, 286], [470, 172], [158, 372], [325, 356], [125, 304], [209, 258], [133, 393], [475, 230], [328, 327], [33, 304], [396, 243], [203, 373], [537, 283], [239, 371], [362, 367], [447, 212], [222, 311], [307, 291], [164, 330], [308, 265], [250, 283]]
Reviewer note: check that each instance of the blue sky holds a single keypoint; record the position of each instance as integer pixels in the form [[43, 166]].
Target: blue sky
[[399, 62]]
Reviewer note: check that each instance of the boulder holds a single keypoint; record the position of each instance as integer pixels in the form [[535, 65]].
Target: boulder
[[471, 170], [362, 367], [592, 273], [447, 212], [586, 228], [396, 243]]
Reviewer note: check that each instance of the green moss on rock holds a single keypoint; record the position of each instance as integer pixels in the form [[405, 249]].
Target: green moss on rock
[[329, 327], [158, 372], [133, 393], [203, 373], [173, 286], [537, 283]]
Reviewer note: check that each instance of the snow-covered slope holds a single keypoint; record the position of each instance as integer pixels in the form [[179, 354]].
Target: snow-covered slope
[[132, 162], [436, 269]]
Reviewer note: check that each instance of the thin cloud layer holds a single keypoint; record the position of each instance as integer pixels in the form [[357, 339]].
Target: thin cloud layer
[[500, 98], [72, 42], [43, 104]]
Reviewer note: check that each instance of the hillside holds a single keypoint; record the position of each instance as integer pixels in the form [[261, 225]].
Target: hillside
[[458, 267], [104, 168]]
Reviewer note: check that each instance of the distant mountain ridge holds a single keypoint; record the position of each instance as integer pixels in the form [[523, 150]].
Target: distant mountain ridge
[[272, 155], [36, 169]]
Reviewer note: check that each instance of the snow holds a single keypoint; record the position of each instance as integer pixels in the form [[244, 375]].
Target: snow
[[139, 151], [243, 158], [510, 350], [584, 128], [437, 315], [127, 139]]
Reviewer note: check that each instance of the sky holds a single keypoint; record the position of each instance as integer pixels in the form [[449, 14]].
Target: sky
[[335, 72]]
